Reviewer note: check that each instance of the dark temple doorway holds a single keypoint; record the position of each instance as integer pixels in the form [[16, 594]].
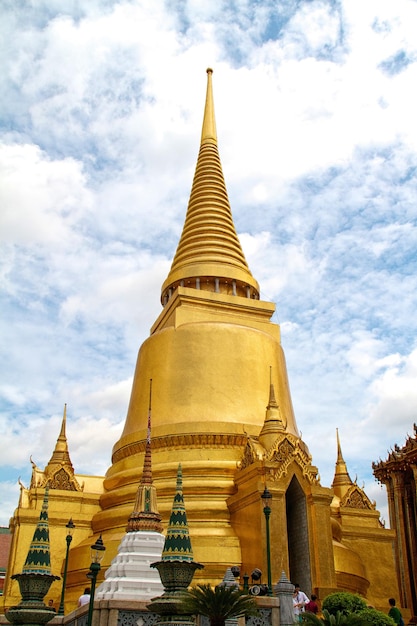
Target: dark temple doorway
[[297, 532]]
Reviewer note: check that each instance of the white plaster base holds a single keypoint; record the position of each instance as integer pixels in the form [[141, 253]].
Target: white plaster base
[[130, 576]]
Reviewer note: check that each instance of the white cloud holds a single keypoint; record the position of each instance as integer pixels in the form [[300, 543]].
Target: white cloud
[[44, 207], [395, 392], [9, 496]]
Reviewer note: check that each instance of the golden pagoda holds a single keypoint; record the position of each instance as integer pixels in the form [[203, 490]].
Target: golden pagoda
[[210, 354], [221, 406]]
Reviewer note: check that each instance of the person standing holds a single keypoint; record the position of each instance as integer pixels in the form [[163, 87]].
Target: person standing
[[299, 600], [312, 606], [85, 598], [395, 613]]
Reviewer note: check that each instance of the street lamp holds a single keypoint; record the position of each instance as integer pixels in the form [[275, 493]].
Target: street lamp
[[266, 498], [97, 553], [68, 538]]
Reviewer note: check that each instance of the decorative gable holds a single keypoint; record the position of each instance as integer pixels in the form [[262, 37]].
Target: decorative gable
[[62, 479], [356, 498], [286, 450]]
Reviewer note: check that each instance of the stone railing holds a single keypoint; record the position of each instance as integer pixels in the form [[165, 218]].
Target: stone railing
[[130, 613]]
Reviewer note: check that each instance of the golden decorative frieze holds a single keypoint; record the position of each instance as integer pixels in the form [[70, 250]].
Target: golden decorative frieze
[[185, 440]]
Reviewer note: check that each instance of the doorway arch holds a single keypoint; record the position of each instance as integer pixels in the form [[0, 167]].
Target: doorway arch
[[297, 533]]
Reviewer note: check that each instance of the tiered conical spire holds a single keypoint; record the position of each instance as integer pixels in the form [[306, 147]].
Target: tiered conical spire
[[38, 560], [145, 514], [60, 455], [341, 480], [274, 424], [59, 473], [177, 545], [209, 255]]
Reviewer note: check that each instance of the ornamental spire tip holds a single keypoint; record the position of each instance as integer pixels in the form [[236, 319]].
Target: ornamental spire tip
[[209, 132]]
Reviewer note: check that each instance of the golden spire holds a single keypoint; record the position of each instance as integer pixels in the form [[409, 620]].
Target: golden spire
[[341, 480], [273, 424], [60, 455], [145, 514], [59, 472], [208, 132], [209, 255]]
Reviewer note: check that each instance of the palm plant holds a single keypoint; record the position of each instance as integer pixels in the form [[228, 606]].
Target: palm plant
[[218, 604]]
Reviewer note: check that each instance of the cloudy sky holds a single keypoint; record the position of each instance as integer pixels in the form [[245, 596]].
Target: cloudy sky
[[101, 112]]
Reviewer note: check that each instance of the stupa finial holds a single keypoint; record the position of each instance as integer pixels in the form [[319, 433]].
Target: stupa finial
[[59, 472], [274, 424], [145, 514], [209, 255], [341, 480], [209, 132]]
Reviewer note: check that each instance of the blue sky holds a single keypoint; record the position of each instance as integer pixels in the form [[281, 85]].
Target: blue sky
[[100, 125]]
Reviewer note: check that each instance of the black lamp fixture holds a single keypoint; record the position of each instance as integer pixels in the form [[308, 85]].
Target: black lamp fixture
[[266, 498], [97, 553], [70, 529]]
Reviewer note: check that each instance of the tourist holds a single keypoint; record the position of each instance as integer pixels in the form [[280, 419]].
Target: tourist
[[395, 613], [312, 606], [85, 598], [299, 600]]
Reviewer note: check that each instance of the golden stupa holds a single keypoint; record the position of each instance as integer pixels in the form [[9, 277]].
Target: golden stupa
[[222, 407]]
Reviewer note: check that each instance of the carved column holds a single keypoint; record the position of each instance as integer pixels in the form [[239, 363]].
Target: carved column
[[399, 515]]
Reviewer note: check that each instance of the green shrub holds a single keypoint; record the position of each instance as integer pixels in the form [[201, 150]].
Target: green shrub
[[339, 619], [344, 602], [374, 617]]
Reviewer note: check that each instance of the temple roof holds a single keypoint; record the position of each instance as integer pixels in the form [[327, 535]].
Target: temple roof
[[400, 460], [209, 248]]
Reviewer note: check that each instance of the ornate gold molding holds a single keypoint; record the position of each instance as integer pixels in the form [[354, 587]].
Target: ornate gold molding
[[286, 450], [185, 440]]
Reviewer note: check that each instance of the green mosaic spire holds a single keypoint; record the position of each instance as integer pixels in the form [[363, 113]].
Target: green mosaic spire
[[177, 545], [38, 560]]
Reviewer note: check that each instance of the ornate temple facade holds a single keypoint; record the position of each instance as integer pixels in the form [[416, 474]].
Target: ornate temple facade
[[399, 474], [222, 408], [71, 496]]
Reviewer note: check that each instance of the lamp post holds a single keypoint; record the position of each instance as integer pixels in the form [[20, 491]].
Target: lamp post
[[97, 553], [266, 498], [68, 539]]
